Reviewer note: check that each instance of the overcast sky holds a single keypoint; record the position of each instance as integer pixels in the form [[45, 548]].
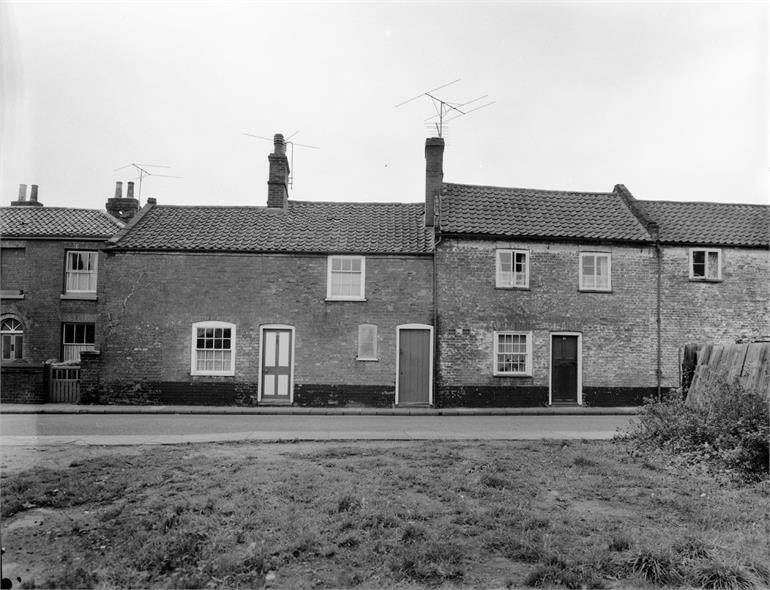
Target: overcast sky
[[670, 99]]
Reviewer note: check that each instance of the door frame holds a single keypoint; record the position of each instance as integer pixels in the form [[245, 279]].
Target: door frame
[[430, 357], [579, 364], [262, 329]]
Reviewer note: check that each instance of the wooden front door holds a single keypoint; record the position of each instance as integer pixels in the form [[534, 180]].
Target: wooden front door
[[414, 366], [276, 365], [564, 369]]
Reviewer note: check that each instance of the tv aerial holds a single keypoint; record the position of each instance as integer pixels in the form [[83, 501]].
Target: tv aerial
[[291, 145], [445, 108], [143, 172]]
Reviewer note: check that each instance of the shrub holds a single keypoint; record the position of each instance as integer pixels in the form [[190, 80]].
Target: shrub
[[721, 577], [732, 428]]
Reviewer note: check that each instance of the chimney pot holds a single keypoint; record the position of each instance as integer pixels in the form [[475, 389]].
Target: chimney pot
[[130, 191], [33, 193], [22, 192], [118, 190], [279, 145]]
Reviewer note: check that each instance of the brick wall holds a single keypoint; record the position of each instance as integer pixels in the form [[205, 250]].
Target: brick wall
[[151, 301], [22, 385], [617, 328], [737, 307]]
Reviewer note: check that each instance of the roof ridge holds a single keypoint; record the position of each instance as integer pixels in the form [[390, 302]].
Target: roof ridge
[[538, 190], [703, 203]]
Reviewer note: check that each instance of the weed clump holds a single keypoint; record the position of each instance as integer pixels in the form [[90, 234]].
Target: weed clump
[[718, 576], [732, 430], [657, 568]]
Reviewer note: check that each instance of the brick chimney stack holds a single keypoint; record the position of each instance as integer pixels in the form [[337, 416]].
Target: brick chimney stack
[[278, 179], [22, 201], [434, 176], [123, 208]]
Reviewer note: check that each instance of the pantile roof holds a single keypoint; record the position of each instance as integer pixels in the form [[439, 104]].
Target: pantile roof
[[56, 222], [302, 227], [529, 213], [725, 224]]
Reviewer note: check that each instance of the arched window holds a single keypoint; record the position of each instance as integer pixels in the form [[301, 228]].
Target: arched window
[[11, 337]]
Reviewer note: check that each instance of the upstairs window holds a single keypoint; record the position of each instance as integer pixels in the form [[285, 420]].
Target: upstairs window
[[213, 348], [77, 338], [81, 271], [11, 339], [705, 265], [513, 353], [595, 271], [367, 342], [512, 269], [346, 278]]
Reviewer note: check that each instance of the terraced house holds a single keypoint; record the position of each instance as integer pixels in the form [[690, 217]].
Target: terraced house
[[51, 270], [479, 296]]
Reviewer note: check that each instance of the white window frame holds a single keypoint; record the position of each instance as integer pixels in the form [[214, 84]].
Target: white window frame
[[71, 350], [360, 296], [496, 351], [71, 272], [230, 371], [362, 328], [500, 282], [596, 256], [14, 329], [706, 252]]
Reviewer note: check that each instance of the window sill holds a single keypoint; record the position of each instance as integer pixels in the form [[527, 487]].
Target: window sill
[[512, 288], [217, 374], [512, 374], [78, 296], [582, 290], [360, 358], [704, 280], [346, 299], [11, 294]]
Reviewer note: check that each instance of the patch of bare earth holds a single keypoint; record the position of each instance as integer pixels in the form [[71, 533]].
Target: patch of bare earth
[[374, 515]]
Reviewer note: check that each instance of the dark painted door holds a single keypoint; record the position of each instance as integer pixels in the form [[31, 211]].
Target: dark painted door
[[564, 369], [414, 366], [276, 365]]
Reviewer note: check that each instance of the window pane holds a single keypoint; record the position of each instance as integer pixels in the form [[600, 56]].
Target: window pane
[[712, 268], [505, 261]]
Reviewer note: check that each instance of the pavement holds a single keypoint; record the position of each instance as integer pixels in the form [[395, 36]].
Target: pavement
[[324, 411], [72, 425]]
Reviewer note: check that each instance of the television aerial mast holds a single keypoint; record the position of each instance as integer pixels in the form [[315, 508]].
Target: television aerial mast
[[446, 108], [291, 145], [143, 172]]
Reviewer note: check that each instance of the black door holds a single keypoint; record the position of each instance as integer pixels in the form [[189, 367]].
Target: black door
[[564, 369]]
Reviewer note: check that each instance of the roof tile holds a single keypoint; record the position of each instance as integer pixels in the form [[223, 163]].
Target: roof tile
[[56, 222]]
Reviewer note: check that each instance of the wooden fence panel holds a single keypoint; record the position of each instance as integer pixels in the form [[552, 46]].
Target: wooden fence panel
[[65, 384]]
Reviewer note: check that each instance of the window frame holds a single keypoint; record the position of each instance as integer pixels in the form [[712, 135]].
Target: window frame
[[69, 345], [329, 274], [496, 351], [361, 329], [73, 272], [581, 276], [16, 339], [705, 278], [499, 283], [230, 371]]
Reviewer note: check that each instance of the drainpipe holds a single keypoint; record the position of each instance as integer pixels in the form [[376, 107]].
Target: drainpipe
[[655, 231], [436, 242]]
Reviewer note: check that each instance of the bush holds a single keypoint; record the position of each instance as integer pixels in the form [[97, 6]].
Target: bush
[[732, 429]]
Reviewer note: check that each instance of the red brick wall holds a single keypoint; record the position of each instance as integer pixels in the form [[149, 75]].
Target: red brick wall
[[618, 328], [152, 300], [738, 307], [42, 310]]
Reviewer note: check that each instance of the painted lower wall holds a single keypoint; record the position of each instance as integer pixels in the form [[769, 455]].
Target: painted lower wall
[[151, 301]]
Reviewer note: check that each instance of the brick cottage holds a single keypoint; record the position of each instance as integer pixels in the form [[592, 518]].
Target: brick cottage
[[480, 296]]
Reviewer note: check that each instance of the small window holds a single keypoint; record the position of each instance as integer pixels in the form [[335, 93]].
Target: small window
[[705, 265], [75, 339], [367, 342], [346, 278], [595, 271], [513, 353], [512, 269], [11, 339], [213, 348], [81, 272]]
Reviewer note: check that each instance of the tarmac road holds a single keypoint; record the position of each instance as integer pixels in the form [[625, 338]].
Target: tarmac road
[[128, 429]]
